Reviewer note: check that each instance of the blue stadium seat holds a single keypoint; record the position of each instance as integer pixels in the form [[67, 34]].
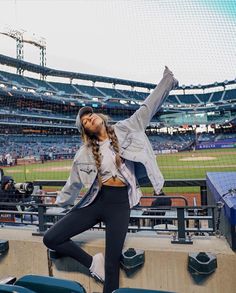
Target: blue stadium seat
[[133, 94], [216, 97], [14, 289], [44, 284], [111, 92], [88, 90], [41, 83], [172, 99], [135, 290], [18, 79], [204, 98], [188, 99], [230, 95], [65, 87]]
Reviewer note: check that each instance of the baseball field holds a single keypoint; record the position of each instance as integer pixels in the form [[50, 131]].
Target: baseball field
[[173, 166]]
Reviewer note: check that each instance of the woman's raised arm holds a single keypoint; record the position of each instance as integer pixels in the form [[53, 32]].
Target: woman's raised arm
[[142, 117]]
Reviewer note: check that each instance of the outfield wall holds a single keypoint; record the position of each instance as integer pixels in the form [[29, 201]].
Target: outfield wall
[[217, 145]]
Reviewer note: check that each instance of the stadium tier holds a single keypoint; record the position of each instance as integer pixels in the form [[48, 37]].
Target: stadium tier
[[37, 116]]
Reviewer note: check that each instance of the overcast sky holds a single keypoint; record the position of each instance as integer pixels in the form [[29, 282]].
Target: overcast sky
[[129, 39]]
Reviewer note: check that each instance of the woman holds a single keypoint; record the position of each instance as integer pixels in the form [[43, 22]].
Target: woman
[[111, 163]]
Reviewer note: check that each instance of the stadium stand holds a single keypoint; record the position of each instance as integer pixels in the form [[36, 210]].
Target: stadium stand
[[30, 105]]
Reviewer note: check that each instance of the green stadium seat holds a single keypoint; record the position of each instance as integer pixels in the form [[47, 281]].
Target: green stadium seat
[[14, 289], [44, 284]]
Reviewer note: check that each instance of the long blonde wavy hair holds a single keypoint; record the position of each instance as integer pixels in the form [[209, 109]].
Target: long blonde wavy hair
[[91, 141]]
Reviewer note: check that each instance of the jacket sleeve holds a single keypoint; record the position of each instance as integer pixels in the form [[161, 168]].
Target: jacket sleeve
[[142, 117], [71, 189]]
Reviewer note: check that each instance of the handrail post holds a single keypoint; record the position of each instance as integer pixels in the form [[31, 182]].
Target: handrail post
[[181, 228], [41, 219]]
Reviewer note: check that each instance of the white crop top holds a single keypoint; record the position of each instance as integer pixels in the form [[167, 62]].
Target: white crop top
[[108, 162]]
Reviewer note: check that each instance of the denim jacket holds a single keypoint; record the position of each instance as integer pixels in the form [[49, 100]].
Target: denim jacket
[[134, 146]]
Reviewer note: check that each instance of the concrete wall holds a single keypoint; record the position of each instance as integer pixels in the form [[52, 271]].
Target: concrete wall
[[165, 265]]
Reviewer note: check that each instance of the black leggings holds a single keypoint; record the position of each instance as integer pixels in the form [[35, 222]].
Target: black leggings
[[111, 206]]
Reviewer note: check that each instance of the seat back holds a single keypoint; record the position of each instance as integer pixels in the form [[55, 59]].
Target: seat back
[[14, 289], [46, 284]]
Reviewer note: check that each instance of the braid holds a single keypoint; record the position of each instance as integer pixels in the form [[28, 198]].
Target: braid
[[115, 143], [92, 142]]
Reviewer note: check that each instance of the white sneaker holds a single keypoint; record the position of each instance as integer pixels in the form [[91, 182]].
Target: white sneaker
[[97, 269]]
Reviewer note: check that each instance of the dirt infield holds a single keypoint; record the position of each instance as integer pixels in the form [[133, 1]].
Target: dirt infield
[[50, 168], [176, 201], [193, 158], [43, 169], [14, 171], [198, 167], [197, 153]]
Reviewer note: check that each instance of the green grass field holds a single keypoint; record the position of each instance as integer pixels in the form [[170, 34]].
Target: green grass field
[[173, 166]]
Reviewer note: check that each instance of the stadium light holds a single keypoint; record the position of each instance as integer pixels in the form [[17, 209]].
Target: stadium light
[[17, 35]]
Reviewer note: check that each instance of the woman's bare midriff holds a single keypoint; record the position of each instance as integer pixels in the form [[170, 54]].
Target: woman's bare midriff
[[114, 182]]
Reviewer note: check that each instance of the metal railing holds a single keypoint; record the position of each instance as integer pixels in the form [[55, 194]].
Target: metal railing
[[198, 182], [180, 221]]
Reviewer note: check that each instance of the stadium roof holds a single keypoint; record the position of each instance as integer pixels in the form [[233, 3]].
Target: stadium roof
[[46, 71], [17, 63]]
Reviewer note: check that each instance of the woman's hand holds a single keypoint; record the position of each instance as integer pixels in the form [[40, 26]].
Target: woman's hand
[[168, 72]]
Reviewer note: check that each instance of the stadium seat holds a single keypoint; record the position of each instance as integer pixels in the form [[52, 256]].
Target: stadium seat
[[136, 290], [14, 289], [44, 284]]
